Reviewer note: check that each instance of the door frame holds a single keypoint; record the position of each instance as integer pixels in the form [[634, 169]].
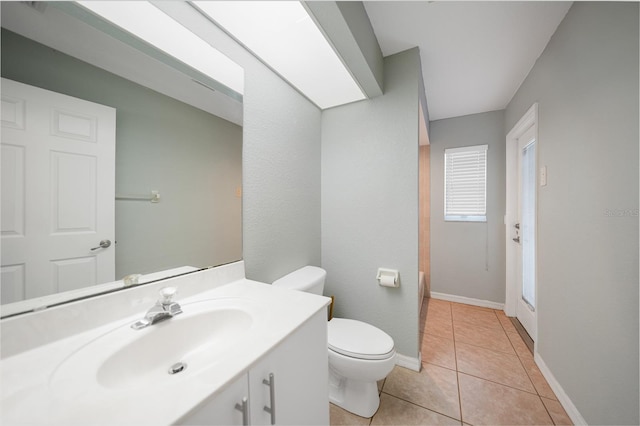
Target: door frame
[[528, 120]]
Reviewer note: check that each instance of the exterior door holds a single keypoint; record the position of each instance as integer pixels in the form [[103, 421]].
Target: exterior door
[[526, 232], [58, 192]]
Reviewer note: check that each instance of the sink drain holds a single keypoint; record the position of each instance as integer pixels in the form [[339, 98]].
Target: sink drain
[[177, 367]]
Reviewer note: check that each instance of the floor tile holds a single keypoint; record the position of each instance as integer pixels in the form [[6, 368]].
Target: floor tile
[[491, 365], [518, 345], [480, 335], [437, 311], [559, 416], [435, 388], [440, 310], [524, 334], [538, 380], [439, 351], [394, 411], [338, 416], [487, 403], [475, 313], [505, 321], [471, 307], [439, 326], [440, 306], [476, 369]]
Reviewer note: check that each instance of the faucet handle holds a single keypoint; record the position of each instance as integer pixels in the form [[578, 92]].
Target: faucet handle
[[166, 295]]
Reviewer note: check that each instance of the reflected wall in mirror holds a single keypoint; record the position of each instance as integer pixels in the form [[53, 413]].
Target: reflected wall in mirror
[[190, 156]]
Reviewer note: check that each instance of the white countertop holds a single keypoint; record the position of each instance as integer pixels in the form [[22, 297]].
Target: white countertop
[[30, 396]]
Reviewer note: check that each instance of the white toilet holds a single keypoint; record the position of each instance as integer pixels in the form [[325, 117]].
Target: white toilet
[[359, 353]]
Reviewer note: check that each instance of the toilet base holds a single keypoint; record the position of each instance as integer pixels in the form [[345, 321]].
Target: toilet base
[[357, 397]]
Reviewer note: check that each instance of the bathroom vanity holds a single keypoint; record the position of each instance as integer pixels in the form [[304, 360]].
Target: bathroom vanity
[[241, 352]]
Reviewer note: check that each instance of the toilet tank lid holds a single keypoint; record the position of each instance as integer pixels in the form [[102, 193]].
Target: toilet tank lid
[[302, 278], [358, 339]]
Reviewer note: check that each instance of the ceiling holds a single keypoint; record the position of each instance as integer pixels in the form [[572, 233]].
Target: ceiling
[[474, 54]]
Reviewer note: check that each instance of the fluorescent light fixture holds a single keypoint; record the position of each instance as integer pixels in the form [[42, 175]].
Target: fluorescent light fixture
[[147, 22], [283, 35]]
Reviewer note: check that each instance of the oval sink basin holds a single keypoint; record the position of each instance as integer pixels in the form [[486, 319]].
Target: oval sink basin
[[203, 335]]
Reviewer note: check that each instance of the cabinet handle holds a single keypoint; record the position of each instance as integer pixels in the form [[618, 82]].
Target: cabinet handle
[[272, 397], [244, 408]]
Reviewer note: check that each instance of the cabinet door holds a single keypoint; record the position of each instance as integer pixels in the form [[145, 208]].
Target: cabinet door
[[220, 409], [299, 366]]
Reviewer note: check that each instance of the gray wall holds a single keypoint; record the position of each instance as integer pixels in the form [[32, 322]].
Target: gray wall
[[280, 162], [192, 157], [467, 258], [370, 203], [586, 83]]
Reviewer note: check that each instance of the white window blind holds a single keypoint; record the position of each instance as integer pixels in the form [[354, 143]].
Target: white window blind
[[465, 184]]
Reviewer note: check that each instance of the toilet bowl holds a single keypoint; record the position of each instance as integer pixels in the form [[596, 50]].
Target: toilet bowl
[[359, 353]]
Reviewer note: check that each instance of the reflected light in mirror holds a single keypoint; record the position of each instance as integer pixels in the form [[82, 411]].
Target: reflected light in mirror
[[150, 24], [285, 37]]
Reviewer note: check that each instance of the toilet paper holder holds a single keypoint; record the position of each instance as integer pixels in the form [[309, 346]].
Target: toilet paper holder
[[388, 277]]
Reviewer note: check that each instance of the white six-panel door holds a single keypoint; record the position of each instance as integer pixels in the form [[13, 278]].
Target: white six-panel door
[[58, 192]]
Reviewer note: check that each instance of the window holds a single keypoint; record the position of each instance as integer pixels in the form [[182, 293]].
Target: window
[[465, 184]]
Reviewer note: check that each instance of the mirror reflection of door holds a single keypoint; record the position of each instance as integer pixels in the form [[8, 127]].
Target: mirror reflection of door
[[58, 192], [526, 256]]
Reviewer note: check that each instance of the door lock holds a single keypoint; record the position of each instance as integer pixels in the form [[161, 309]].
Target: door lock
[[103, 244]]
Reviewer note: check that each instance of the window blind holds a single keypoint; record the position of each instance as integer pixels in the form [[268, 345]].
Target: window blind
[[465, 184]]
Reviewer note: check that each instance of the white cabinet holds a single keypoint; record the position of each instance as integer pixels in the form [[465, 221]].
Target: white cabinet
[[221, 409], [300, 371], [286, 386]]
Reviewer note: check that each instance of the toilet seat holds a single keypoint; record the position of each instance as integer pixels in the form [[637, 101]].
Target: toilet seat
[[357, 339]]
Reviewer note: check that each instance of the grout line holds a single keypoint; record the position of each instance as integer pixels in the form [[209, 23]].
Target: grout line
[[514, 353], [455, 355], [458, 372], [547, 410], [491, 381], [438, 365], [501, 384], [526, 339], [524, 366], [423, 407]]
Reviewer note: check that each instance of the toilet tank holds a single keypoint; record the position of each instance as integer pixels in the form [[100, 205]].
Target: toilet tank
[[309, 279]]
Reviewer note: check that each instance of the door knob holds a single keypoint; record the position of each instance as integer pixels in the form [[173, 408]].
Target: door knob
[[103, 244]]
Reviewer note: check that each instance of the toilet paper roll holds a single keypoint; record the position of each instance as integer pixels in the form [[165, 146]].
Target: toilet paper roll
[[387, 281]]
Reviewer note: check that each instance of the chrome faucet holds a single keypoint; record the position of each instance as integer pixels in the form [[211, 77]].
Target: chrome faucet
[[164, 308]]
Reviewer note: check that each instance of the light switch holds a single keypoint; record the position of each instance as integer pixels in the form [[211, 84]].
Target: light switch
[[543, 176]]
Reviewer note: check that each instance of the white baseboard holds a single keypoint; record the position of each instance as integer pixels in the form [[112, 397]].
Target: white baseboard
[[563, 398], [467, 300], [409, 362]]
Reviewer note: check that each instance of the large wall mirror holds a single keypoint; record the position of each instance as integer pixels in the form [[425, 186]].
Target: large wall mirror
[[177, 170]]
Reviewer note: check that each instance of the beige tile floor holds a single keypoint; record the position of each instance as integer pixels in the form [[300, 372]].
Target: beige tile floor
[[476, 370]]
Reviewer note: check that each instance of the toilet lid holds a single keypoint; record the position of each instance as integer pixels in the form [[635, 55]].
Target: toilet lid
[[358, 339]]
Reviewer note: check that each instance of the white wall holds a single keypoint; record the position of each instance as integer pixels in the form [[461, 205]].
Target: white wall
[[467, 258], [586, 84], [370, 203]]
